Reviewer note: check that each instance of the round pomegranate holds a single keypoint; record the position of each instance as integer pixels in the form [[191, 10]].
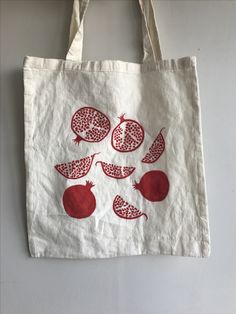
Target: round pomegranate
[[90, 125], [154, 185], [79, 201], [127, 136]]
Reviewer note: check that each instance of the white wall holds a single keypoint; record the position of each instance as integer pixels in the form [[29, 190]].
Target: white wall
[[135, 285]]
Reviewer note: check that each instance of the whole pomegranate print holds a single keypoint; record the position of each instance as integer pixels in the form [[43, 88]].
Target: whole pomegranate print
[[79, 201], [90, 125], [156, 149], [114, 171], [76, 169], [125, 210], [127, 136], [154, 185]]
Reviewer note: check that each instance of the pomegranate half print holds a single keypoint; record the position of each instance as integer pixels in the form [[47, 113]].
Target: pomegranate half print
[[79, 201], [90, 125], [114, 171], [127, 136], [156, 149], [77, 168], [154, 186], [125, 210]]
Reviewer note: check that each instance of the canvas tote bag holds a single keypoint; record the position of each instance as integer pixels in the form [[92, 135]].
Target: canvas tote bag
[[113, 153]]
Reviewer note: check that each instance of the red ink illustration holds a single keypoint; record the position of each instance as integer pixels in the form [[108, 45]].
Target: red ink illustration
[[125, 210], [117, 172], [90, 125], [154, 185], [127, 136], [77, 168], [78, 200], [156, 149]]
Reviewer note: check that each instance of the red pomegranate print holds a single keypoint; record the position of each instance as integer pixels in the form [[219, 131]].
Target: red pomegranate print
[[127, 136], [117, 172], [125, 210], [90, 125], [77, 168], [78, 200], [156, 149], [154, 185]]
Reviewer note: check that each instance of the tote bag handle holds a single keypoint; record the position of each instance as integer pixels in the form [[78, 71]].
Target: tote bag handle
[[151, 44]]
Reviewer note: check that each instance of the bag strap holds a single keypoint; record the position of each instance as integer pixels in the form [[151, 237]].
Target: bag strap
[[151, 45]]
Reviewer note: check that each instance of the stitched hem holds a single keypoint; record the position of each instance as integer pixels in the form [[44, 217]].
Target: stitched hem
[[108, 65]]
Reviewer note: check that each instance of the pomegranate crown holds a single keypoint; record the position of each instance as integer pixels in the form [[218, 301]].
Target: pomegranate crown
[[122, 117], [89, 184], [136, 185], [77, 140]]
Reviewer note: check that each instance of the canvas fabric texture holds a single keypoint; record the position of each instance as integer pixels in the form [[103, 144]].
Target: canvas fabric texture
[[113, 152]]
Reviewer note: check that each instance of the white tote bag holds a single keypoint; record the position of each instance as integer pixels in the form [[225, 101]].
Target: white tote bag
[[113, 153]]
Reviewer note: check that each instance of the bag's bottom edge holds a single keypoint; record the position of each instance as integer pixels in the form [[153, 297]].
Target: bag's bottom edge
[[206, 254]]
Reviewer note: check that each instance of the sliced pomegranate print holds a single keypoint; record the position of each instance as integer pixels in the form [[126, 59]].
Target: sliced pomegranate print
[[156, 149], [154, 185], [125, 210], [117, 172], [78, 200], [127, 136], [77, 168], [90, 125]]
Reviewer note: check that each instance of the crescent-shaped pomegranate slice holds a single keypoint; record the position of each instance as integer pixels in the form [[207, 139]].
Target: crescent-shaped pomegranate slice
[[156, 149], [114, 171], [77, 168], [125, 210]]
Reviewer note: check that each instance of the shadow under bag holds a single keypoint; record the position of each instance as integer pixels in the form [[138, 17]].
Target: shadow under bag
[[113, 152]]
